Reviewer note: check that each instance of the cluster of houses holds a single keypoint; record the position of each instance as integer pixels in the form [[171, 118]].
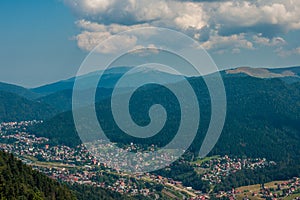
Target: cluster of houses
[[218, 168], [28, 145], [89, 175], [72, 165], [6, 126], [93, 166], [282, 190], [123, 158]]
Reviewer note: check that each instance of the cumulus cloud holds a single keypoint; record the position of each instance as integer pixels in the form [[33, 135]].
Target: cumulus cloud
[[130, 12], [89, 40], [218, 24], [112, 28], [233, 43], [93, 34], [100, 19], [266, 17], [275, 41]]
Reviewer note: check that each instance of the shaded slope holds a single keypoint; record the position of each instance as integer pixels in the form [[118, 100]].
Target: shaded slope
[[19, 181], [16, 108], [23, 92], [262, 119]]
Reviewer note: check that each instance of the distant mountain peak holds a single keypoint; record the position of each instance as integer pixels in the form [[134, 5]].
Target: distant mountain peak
[[265, 72]]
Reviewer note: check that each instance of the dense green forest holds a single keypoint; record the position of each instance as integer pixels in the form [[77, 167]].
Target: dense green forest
[[258, 176], [17, 108], [86, 192], [183, 171], [62, 100], [18, 181], [262, 119], [21, 91]]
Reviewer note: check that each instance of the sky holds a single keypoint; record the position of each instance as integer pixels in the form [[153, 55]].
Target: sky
[[46, 41]]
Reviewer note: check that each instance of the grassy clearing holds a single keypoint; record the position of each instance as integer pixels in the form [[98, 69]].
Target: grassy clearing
[[202, 160], [293, 196], [256, 188], [52, 164], [248, 190]]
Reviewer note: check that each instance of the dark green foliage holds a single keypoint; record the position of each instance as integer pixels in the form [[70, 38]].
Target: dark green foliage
[[62, 100], [23, 92], [258, 176], [85, 192], [86, 81], [16, 108], [18, 181], [184, 172], [262, 119], [54, 87], [61, 130]]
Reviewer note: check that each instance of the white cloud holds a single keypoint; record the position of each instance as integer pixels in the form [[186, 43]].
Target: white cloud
[[191, 16], [128, 12], [90, 26], [284, 14], [275, 41], [233, 43], [145, 51], [89, 40], [112, 28], [232, 24]]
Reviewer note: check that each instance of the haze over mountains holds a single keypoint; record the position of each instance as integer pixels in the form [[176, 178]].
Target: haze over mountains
[[262, 121], [56, 97], [262, 118], [18, 108], [21, 91], [113, 74]]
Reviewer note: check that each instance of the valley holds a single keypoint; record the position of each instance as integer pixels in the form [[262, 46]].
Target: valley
[[255, 147]]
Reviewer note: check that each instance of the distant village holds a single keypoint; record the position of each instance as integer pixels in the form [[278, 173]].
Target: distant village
[[218, 168], [78, 165]]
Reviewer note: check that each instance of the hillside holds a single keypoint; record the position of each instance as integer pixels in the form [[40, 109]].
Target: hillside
[[18, 181], [59, 94], [23, 92], [86, 81], [62, 100], [17, 108], [262, 119], [108, 79]]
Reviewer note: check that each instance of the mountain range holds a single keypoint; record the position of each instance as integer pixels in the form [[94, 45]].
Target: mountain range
[[262, 117]]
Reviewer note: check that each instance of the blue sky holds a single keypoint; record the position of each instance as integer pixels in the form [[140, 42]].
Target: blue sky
[[36, 45], [46, 41]]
